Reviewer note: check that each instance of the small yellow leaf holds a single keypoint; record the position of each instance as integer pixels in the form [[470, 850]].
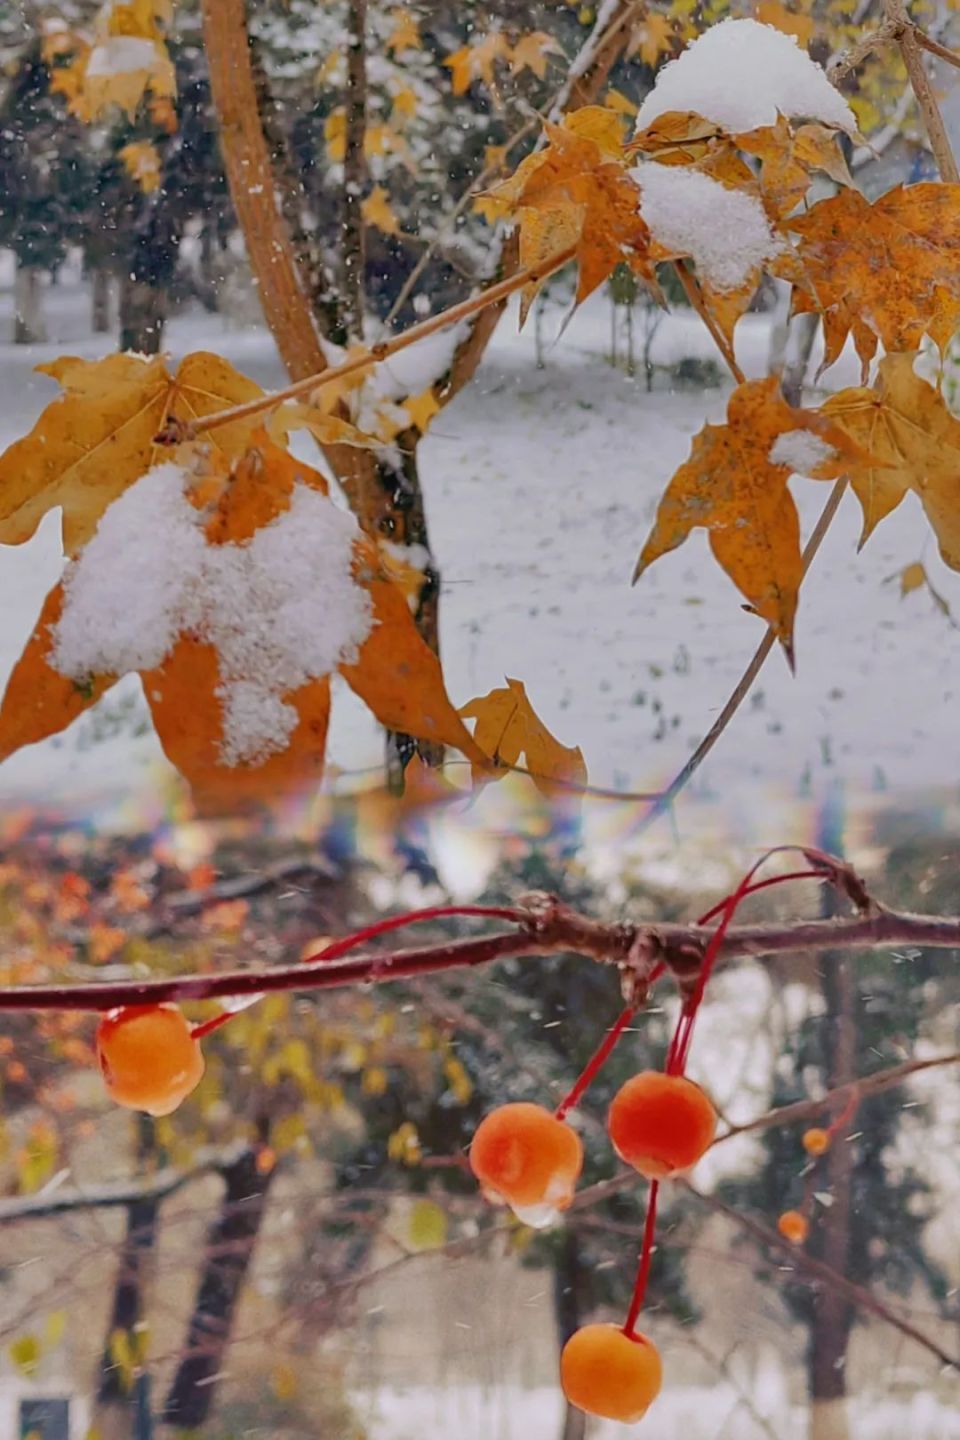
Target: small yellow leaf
[[405, 34], [377, 210], [912, 577], [142, 163], [428, 1226], [531, 52], [421, 409], [25, 1353], [507, 726], [283, 1381], [54, 1327]]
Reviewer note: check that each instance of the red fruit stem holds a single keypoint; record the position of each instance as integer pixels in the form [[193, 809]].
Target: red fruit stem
[[643, 1269], [676, 1058], [214, 1023], [596, 1062]]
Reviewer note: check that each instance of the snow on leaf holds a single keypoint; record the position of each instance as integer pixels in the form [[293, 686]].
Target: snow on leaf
[[98, 437], [742, 75], [234, 602], [884, 271], [573, 193], [905, 424], [724, 231], [734, 485], [507, 727]]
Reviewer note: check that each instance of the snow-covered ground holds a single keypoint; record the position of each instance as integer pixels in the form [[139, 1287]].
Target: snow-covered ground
[[715, 1412], [541, 485]]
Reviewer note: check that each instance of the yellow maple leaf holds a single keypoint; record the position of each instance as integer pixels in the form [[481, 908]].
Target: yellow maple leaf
[[532, 52], [576, 193], [791, 22], [142, 163], [335, 135], [121, 70], [405, 34], [904, 423], [734, 485], [99, 436], [620, 103], [421, 409], [476, 62], [653, 37], [883, 271], [507, 727], [405, 103], [377, 210]]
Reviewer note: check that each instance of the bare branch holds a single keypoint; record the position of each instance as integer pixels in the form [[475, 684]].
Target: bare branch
[[355, 168], [548, 927]]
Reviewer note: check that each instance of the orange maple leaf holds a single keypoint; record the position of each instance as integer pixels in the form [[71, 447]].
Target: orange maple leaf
[[734, 485], [188, 691], [575, 193], [884, 271]]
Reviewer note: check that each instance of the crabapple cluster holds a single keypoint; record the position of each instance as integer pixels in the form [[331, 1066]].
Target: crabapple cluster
[[530, 1159]]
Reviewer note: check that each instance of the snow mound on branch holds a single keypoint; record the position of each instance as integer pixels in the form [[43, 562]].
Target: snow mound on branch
[[281, 609], [740, 74], [725, 232]]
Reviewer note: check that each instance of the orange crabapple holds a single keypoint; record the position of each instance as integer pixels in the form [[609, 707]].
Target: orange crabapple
[[816, 1141], [661, 1124], [793, 1226], [524, 1156], [148, 1057], [608, 1373]]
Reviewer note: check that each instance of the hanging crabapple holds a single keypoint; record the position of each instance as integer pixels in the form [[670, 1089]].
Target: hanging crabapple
[[523, 1155], [793, 1226], [148, 1057], [816, 1141], [661, 1124], [609, 1373]]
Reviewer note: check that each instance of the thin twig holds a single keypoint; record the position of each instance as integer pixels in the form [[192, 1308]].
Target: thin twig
[[743, 686], [379, 352], [934, 47], [817, 1270], [910, 49]]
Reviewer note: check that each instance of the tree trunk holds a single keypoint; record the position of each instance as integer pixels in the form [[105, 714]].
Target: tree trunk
[[143, 311], [798, 350], [119, 1407], [833, 1315], [569, 1290], [100, 297], [228, 1253], [29, 327]]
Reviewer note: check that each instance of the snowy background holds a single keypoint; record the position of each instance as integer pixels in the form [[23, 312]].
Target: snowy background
[[541, 484]]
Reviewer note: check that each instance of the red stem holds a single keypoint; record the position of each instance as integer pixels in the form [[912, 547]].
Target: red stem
[[643, 1270], [596, 1062], [761, 885]]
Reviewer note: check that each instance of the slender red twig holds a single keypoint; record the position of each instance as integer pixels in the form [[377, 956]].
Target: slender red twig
[[643, 1269], [596, 1062]]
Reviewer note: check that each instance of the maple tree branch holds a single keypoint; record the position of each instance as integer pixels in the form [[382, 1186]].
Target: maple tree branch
[[817, 1270], [545, 926], [910, 49], [246, 159], [744, 684], [934, 47], [355, 168], [376, 353]]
